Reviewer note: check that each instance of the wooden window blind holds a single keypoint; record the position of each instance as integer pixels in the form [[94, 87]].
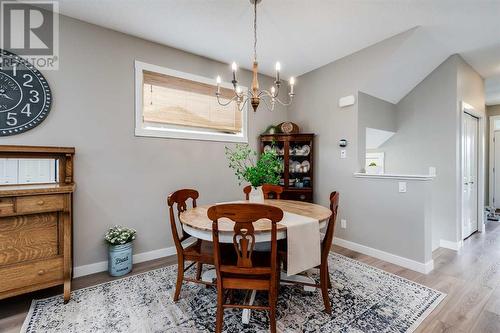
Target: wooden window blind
[[181, 102]]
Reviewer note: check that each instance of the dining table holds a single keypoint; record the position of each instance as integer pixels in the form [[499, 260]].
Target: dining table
[[196, 223]]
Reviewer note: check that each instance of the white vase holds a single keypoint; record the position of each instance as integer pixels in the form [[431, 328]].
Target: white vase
[[373, 170], [256, 195]]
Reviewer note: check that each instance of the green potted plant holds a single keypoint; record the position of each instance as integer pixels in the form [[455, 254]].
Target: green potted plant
[[120, 241], [255, 170], [372, 168]]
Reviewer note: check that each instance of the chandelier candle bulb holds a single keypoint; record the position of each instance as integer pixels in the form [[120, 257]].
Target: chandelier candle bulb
[[234, 68], [218, 84], [292, 82], [278, 68]]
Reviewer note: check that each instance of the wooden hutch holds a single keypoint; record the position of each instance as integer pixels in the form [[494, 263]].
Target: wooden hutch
[[296, 150], [36, 226]]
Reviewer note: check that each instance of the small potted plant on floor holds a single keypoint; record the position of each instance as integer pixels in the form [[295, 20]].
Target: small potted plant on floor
[[257, 171], [120, 241]]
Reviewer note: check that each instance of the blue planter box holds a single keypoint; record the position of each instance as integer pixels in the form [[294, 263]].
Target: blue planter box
[[120, 259]]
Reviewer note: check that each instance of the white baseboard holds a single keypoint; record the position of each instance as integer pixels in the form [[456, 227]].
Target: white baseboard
[[424, 268], [451, 245], [102, 266]]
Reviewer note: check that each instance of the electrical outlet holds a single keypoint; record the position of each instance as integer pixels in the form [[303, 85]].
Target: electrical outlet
[[402, 187], [343, 153], [343, 223]]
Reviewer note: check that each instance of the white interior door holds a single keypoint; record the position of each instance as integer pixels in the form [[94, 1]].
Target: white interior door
[[470, 168]]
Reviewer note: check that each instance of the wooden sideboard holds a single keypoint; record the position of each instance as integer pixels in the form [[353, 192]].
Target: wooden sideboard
[[36, 226]]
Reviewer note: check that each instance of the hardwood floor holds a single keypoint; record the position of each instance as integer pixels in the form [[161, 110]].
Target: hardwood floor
[[470, 277]]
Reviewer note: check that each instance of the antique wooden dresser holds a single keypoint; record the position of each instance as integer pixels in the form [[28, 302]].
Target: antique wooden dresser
[[36, 225]]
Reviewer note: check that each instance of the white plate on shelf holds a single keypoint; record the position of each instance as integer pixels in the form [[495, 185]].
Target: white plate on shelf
[[306, 165], [294, 166], [306, 150]]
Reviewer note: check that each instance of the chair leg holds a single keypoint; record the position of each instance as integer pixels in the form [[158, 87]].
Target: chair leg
[[329, 280], [219, 319], [180, 277], [324, 288], [272, 312], [199, 268]]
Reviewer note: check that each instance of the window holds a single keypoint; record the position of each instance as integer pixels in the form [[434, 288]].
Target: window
[[27, 171], [173, 104]]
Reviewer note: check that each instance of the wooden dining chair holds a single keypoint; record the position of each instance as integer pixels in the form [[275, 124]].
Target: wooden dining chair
[[200, 252], [326, 245], [244, 268], [267, 189]]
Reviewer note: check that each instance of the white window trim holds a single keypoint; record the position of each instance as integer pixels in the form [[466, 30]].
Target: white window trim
[[176, 133]]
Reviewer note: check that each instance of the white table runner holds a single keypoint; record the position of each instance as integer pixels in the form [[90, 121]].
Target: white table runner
[[303, 242]]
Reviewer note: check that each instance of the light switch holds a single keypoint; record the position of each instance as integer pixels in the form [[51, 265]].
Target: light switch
[[402, 187], [343, 223], [343, 153]]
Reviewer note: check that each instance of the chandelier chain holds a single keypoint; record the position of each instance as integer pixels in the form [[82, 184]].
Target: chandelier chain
[[255, 31]]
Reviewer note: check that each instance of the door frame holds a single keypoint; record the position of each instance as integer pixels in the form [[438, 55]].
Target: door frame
[[467, 108], [491, 184]]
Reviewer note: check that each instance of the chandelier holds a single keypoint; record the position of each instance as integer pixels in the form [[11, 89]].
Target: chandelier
[[254, 94]]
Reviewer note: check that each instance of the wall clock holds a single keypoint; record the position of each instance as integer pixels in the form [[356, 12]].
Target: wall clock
[[25, 97]]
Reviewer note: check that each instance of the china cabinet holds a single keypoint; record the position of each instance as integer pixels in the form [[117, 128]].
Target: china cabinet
[[296, 151]]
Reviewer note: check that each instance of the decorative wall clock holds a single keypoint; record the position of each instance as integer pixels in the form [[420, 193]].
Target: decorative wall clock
[[25, 97]]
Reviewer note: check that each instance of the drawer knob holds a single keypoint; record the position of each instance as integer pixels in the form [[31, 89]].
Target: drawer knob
[[40, 203], [302, 197], [41, 272]]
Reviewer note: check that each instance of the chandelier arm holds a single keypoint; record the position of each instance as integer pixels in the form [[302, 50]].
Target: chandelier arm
[[270, 108], [285, 103], [268, 94], [229, 102], [242, 105]]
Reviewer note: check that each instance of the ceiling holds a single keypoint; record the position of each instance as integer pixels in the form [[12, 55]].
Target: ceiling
[[304, 35]]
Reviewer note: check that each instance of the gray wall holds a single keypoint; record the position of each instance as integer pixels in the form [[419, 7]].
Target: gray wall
[[122, 179], [428, 122], [377, 215], [375, 113]]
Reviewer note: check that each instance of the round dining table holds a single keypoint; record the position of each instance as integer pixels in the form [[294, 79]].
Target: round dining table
[[196, 223]]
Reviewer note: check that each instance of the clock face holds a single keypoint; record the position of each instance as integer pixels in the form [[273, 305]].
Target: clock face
[[25, 96]]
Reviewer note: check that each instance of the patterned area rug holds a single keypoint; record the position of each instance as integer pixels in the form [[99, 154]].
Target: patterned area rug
[[364, 299]]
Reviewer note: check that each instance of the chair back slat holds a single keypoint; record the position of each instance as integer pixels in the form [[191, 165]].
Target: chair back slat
[[244, 243], [267, 189], [243, 216], [177, 203]]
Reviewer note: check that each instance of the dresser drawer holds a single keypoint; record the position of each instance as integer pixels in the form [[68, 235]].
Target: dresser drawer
[[40, 203], [6, 206], [28, 237], [28, 274]]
